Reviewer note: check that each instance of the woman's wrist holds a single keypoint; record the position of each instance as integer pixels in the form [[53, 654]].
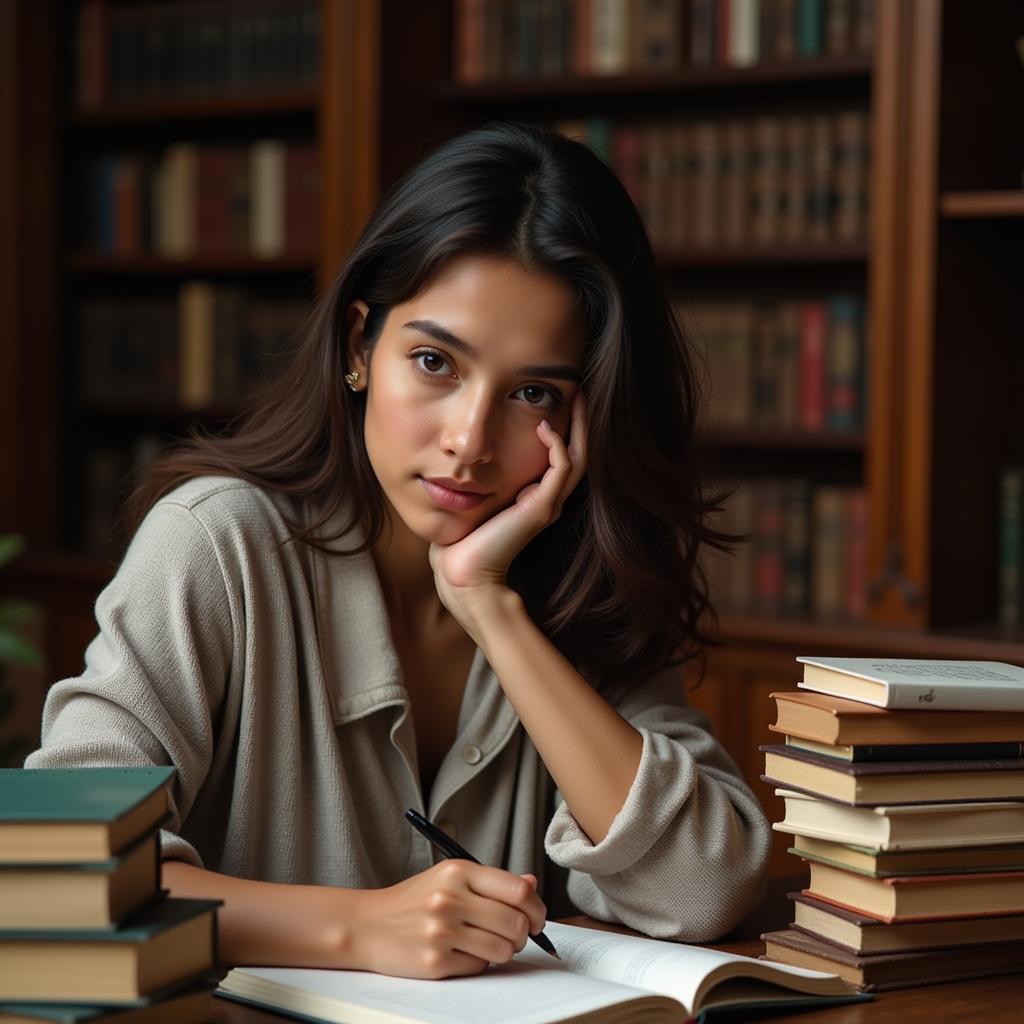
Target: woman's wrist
[[492, 607]]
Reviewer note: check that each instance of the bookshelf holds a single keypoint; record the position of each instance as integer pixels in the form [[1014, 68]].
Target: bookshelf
[[937, 270], [136, 91]]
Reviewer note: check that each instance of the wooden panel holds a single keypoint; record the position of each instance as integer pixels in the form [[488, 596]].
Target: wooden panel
[[28, 292], [885, 471], [349, 125]]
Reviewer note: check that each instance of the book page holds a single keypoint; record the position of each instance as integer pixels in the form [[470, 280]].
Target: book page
[[529, 990], [667, 968]]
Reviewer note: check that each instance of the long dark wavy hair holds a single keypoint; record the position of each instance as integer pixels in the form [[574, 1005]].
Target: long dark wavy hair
[[615, 582]]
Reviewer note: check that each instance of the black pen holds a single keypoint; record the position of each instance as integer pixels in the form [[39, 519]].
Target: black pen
[[451, 849]]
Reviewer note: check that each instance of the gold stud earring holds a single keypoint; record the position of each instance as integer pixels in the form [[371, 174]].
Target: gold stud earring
[[351, 379]]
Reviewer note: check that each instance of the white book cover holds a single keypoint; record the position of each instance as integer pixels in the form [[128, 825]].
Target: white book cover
[[903, 826], [267, 209], [744, 22], [922, 685]]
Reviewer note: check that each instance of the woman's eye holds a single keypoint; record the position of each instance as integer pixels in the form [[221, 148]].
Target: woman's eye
[[533, 394], [431, 362]]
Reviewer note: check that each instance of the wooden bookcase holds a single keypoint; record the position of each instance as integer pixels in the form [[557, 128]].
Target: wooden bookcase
[[940, 272]]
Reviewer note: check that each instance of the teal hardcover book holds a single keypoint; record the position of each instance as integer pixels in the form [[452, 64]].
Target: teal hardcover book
[[163, 946], [68, 815]]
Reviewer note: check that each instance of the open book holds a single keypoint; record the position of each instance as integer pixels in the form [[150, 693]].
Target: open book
[[602, 977]]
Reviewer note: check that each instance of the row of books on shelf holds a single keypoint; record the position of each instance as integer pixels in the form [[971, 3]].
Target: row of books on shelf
[[88, 933], [805, 550], [792, 365], [1011, 546], [903, 785], [205, 200], [768, 180], [509, 39], [212, 345], [125, 51]]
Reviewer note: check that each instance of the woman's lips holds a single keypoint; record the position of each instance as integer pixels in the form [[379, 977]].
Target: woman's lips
[[454, 501]]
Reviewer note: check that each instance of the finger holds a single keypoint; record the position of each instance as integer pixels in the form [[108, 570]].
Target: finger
[[578, 433], [478, 942], [564, 474], [512, 890], [456, 964], [508, 923], [532, 879]]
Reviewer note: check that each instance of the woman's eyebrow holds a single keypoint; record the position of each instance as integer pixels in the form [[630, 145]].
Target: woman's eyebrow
[[442, 334]]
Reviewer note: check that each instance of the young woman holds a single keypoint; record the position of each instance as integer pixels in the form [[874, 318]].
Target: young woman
[[449, 562]]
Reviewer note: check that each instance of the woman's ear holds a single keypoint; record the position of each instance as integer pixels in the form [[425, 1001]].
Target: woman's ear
[[355, 347]]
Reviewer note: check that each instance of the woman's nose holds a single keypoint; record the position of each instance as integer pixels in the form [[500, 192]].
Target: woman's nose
[[468, 430]]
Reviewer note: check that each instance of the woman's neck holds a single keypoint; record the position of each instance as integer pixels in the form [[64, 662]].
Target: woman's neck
[[407, 581]]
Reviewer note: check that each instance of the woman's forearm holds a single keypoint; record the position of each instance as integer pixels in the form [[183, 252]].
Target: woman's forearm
[[271, 923], [591, 751]]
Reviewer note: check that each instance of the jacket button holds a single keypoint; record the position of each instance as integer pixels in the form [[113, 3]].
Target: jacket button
[[471, 754]]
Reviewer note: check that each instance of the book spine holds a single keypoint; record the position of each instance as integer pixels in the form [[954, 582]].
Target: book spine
[[655, 32], [702, 32], [733, 178], [856, 553], [866, 753], [704, 182], [797, 497], [469, 41], [744, 18], [850, 175], [197, 344], [794, 179], [843, 360], [769, 547], [676, 219], [828, 552], [812, 366], [766, 181], [810, 27], [610, 44], [268, 200], [838, 27], [767, 369], [789, 365]]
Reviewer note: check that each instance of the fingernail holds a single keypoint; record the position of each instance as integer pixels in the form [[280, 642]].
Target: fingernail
[[546, 425]]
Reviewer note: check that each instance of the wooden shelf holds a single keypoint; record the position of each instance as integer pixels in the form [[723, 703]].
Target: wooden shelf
[[771, 438], [147, 264], [1009, 203], [693, 79], [199, 108], [816, 636], [832, 253]]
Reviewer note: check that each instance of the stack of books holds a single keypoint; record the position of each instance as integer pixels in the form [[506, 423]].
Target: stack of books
[[903, 784], [86, 932]]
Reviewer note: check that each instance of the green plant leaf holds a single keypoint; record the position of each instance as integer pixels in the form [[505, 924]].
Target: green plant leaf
[[11, 545], [14, 650]]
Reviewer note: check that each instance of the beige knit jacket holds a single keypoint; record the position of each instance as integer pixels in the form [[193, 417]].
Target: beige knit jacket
[[267, 676]]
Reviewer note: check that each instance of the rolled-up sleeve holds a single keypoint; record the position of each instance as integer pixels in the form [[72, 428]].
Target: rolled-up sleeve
[[685, 857], [156, 671]]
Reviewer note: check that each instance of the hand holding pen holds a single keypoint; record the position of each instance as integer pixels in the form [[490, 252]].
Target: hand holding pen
[[451, 849]]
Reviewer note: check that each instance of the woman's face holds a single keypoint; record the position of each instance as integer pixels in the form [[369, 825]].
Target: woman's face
[[457, 383]]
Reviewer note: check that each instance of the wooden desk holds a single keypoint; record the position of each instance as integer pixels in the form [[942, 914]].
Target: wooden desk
[[984, 1001]]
